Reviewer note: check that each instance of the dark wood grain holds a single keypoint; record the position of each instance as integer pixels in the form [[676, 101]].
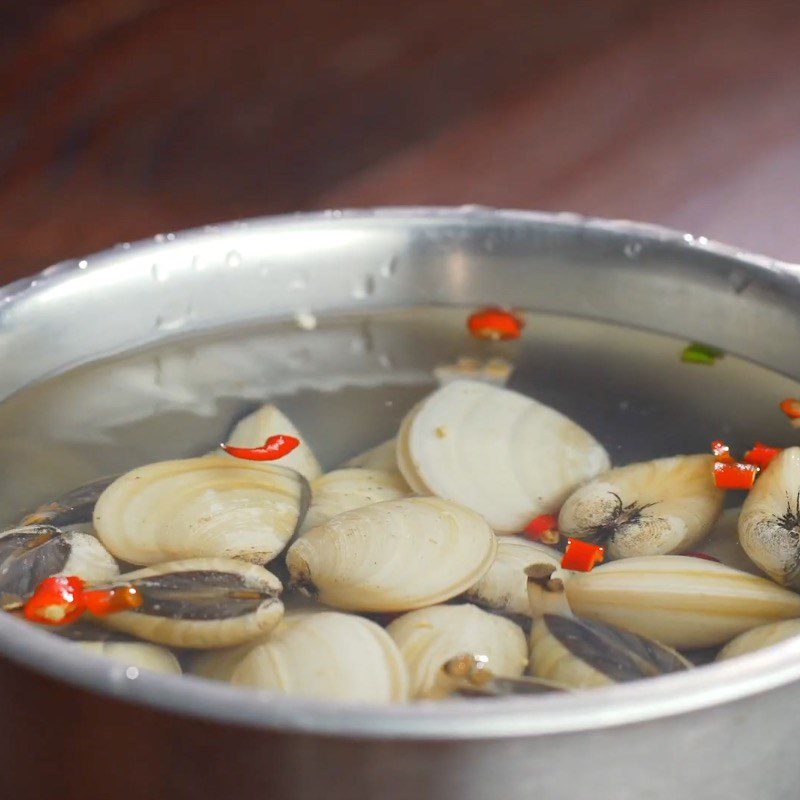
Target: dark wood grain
[[122, 118]]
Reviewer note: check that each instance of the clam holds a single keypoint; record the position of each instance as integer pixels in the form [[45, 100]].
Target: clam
[[430, 637], [769, 525], [504, 587], [393, 556], [381, 457], [506, 456], [651, 508], [74, 507], [723, 543], [141, 655], [254, 429], [581, 653], [680, 601], [759, 638], [32, 553], [325, 656], [202, 603], [345, 489], [469, 675], [201, 507]]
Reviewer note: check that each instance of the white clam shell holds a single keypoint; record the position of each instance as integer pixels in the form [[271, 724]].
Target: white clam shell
[[254, 429], [429, 637], [680, 601], [200, 507], [345, 489], [325, 656], [141, 655], [393, 556], [154, 624], [723, 543], [580, 654], [504, 587], [89, 559], [770, 520], [759, 638], [382, 457], [651, 508], [507, 456]]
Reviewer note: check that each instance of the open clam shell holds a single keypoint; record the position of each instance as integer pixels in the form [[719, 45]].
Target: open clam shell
[[202, 603], [326, 656], [201, 507], [74, 507], [254, 429], [32, 553], [140, 655], [680, 601], [759, 638], [582, 653], [381, 457], [393, 556], [430, 637], [346, 489], [769, 525], [651, 508], [506, 456], [504, 587]]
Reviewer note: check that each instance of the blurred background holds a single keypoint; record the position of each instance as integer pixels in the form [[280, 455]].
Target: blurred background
[[120, 119]]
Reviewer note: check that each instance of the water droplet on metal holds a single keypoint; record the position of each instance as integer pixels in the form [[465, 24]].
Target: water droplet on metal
[[305, 320], [688, 238], [159, 237], [702, 240], [299, 282], [132, 673], [385, 360], [125, 245], [170, 237], [389, 268], [233, 259], [365, 288], [83, 264], [739, 280], [632, 249]]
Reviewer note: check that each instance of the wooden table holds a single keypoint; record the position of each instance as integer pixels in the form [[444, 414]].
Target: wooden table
[[123, 118]]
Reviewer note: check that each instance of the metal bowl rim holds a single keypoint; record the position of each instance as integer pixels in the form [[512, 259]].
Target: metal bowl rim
[[671, 695]]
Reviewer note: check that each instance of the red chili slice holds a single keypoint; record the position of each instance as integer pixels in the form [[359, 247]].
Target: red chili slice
[[582, 556], [543, 528], [101, 602], [761, 455], [57, 600], [791, 407], [274, 448], [722, 453], [495, 324], [735, 476]]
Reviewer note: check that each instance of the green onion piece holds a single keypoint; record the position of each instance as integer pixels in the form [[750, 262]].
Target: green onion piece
[[697, 353]]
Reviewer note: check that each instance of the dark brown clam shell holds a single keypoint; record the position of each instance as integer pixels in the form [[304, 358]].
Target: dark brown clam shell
[[72, 508], [198, 595], [619, 654], [28, 555]]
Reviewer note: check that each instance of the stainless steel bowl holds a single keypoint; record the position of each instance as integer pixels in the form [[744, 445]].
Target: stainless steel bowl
[[89, 728]]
